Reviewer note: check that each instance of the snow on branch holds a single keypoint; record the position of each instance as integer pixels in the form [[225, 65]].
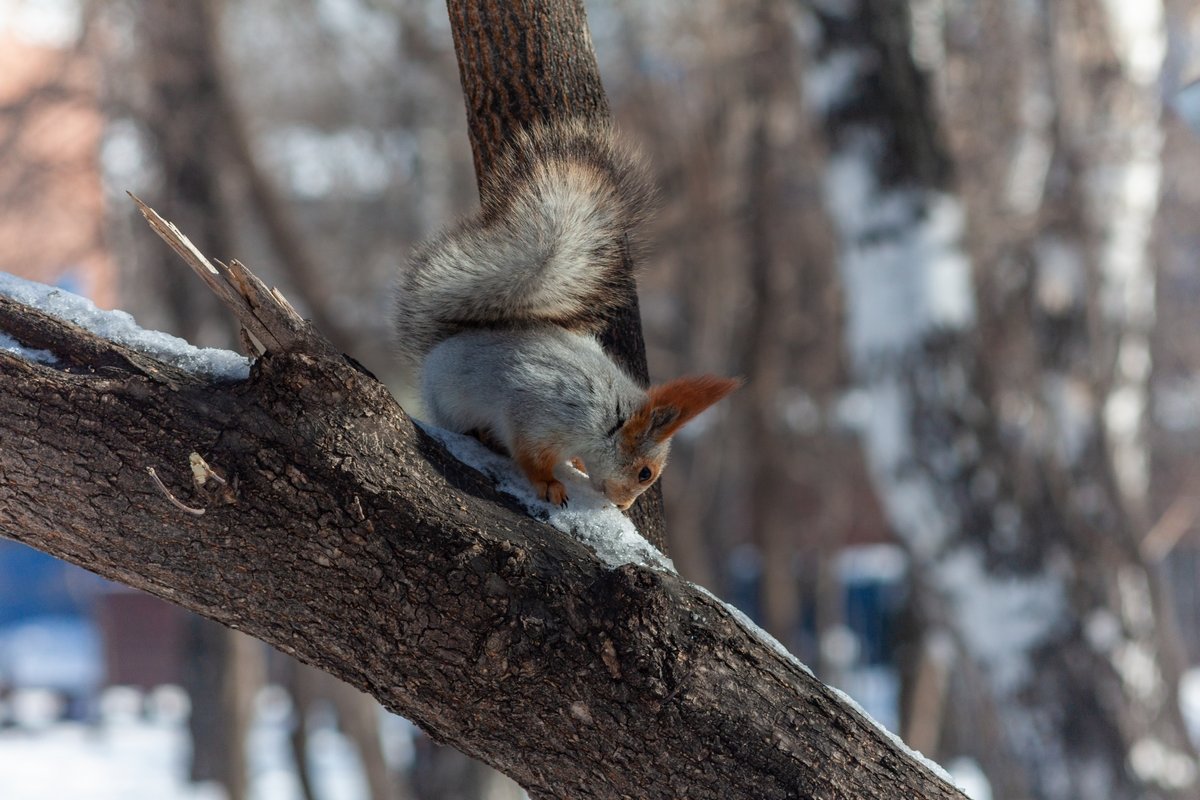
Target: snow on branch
[[268, 319], [114, 326]]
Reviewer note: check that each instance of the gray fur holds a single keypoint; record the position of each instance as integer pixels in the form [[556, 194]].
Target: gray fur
[[546, 387], [546, 246]]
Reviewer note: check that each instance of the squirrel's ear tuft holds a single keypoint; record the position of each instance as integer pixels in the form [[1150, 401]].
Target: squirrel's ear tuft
[[671, 405]]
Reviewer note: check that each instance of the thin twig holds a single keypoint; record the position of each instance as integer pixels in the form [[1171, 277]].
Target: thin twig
[[157, 482], [1179, 518]]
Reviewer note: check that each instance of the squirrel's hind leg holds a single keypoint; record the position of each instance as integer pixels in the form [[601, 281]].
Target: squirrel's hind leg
[[538, 465]]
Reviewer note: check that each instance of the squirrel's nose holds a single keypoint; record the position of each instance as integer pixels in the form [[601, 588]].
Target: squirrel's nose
[[624, 506]]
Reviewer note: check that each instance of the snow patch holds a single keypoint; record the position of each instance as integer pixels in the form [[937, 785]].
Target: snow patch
[[1061, 278], [51, 652], [754, 630], [828, 82], [1001, 619], [125, 158], [928, 23], [49, 23], [1137, 603], [589, 516], [1138, 667], [315, 163], [1123, 199], [120, 327], [134, 751], [11, 345], [877, 690], [1123, 410], [886, 563], [929, 763], [970, 779], [909, 497], [1155, 761], [1034, 149], [902, 260], [1132, 658], [1140, 35], [1102, 630], [1027, 172], [1189, 701]]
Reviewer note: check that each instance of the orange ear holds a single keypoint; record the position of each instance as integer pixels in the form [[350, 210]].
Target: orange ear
[[671, 405]]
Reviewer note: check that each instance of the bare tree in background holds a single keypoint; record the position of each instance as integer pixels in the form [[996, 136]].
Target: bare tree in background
[[201, 147], [184, 123], [1027, 545], [743, 281]]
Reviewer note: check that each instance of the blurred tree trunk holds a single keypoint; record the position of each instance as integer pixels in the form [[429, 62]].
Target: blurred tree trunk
[[1032, 560], [199, 137], [762, 343], [358, 717], [220, 678], [185, 128], [183, 121]]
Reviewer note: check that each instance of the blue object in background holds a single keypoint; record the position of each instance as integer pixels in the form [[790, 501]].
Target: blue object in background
[[48, 639], [34, 584], [871, 609]]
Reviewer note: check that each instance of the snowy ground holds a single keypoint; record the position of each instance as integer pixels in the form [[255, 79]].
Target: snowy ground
[[130, 755], [138, 749]]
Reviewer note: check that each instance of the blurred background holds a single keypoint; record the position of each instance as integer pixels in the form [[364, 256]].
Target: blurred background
[[951, 244]]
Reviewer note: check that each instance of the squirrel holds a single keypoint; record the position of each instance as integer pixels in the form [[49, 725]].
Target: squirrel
[[500, 314]]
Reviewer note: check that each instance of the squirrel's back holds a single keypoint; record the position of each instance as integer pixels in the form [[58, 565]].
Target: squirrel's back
[[545, 248]]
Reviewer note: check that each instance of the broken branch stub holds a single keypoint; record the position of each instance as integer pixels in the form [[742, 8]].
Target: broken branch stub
[[270, 323]]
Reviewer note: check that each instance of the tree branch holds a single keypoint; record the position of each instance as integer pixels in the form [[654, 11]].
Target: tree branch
[[348, 537]]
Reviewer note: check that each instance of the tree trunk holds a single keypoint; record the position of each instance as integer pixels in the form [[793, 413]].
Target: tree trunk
[[183, 119], [1044, 593]]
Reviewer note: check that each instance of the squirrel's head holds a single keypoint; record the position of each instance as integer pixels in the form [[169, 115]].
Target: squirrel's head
[[642, 442]]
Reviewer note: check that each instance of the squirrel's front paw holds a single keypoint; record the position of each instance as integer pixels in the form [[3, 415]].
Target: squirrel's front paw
[[552, 491]]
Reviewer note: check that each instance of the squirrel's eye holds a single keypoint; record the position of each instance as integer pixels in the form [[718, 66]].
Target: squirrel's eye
[[645, 474]]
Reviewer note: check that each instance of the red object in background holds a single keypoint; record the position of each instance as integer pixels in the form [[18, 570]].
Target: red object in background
[[144, 639]]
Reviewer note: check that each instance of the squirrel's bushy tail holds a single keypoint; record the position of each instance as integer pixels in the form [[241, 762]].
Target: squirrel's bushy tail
[[546, 247]]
